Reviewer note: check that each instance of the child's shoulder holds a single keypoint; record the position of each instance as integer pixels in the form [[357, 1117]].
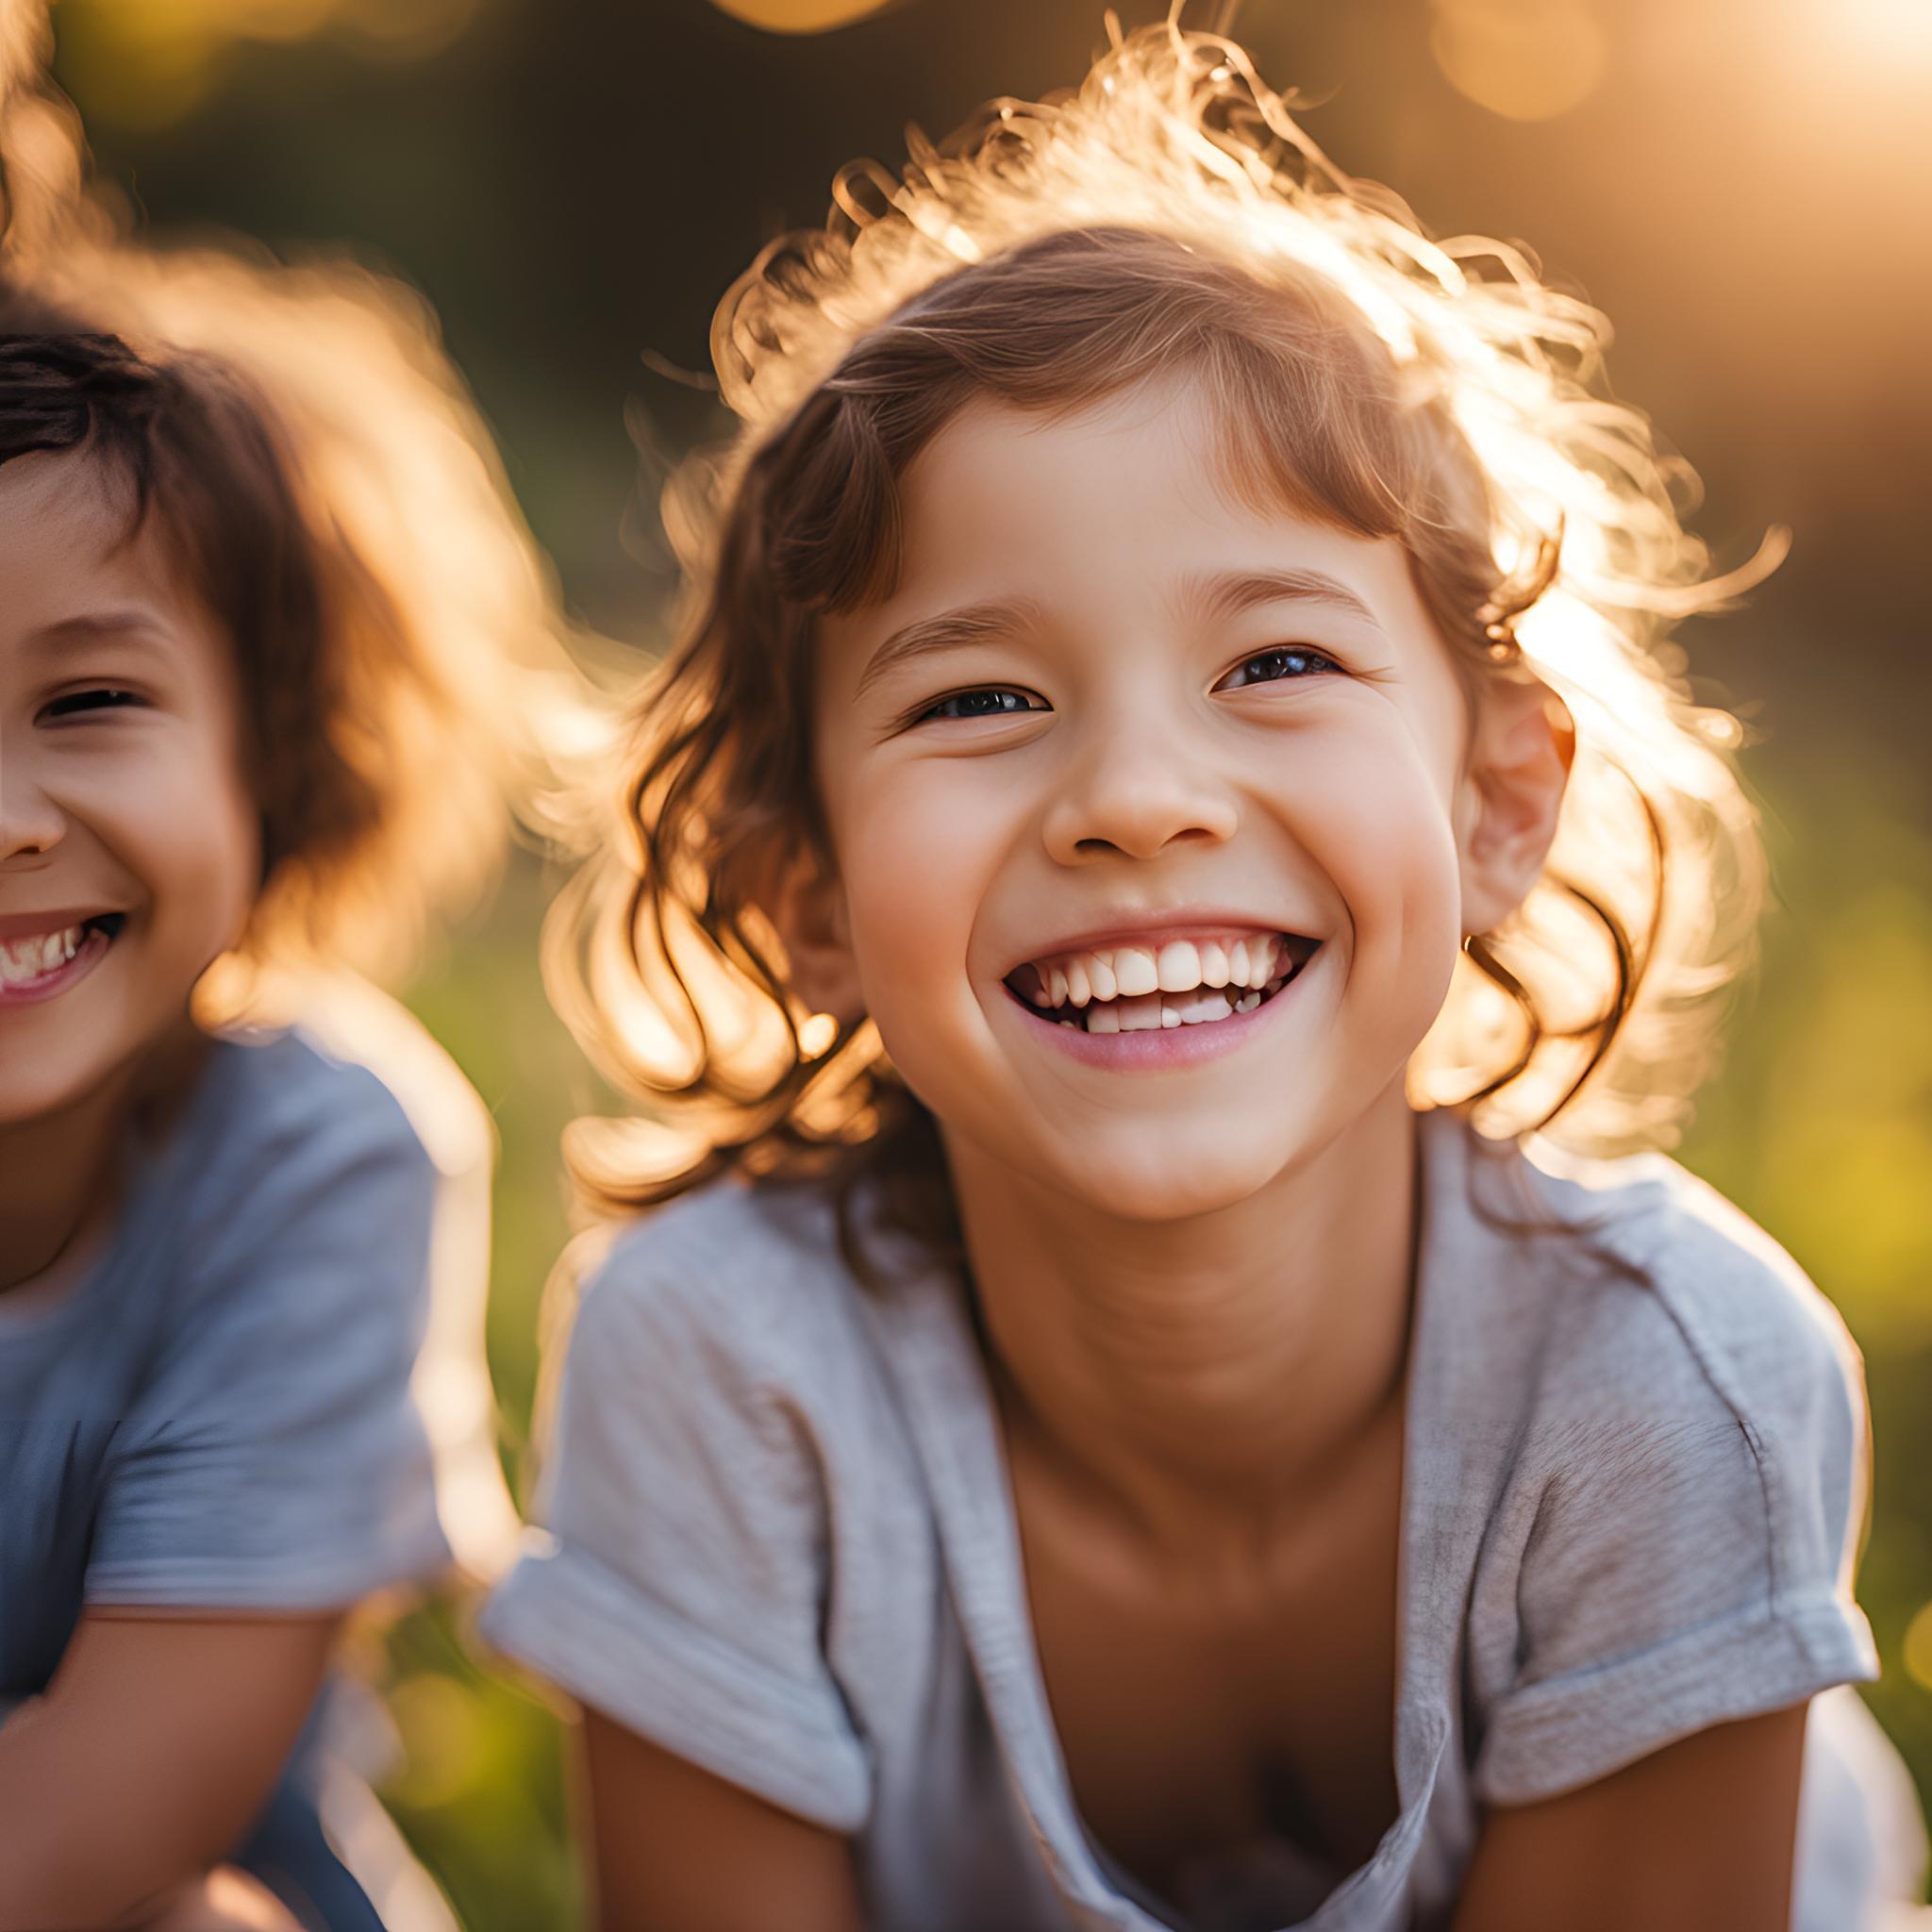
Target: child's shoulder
[[734, 1251], [283, 1087], [1681, 1482], [1644, 1344], [1685, 1284], [284, 1148], [739, 1279], [293, 1084]]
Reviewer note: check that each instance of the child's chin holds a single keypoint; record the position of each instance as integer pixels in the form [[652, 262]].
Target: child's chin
[[1155, 1184], [46, 1082]]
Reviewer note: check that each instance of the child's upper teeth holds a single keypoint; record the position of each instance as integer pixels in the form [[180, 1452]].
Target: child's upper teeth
[[1134, 967], [28, 958], [1174, 966]]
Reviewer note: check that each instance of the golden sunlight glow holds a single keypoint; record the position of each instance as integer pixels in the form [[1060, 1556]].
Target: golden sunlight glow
[[1894, 28], [1524, 59], [799, 16], [816, 1034], [1917, 1649], [146, 63]]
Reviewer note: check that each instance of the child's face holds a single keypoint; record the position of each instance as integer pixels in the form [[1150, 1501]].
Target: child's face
[[1163, 717], [128, 846]]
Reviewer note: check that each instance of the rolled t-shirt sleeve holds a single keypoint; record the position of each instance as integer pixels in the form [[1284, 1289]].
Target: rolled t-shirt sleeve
[[1690, 1561], [677, 1583], [276, 1458]]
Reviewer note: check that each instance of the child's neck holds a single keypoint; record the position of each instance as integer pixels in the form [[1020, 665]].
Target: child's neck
[[60, 1171], [1204, 1378]]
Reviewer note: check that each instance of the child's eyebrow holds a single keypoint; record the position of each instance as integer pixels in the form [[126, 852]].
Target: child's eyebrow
[[1228, 594], [970, 623], [101, 624]]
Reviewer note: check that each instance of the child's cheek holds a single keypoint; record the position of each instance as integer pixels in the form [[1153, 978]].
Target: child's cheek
[[193, 841], [1376, 822], [921, 855]]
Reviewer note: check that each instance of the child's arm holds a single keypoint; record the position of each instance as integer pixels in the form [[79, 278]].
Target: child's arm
[[686, 1585], [149, 1755], [674, 1849], [1696, 1838]]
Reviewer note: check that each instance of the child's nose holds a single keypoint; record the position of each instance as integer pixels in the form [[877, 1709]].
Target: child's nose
[[1137, 792], [31, 823]]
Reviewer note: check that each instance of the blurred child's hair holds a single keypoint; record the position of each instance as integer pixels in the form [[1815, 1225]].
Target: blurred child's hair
[[1169, 219], [331, 498]]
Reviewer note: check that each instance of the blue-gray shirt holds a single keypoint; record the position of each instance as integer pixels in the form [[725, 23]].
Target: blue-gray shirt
[[219, 1413]]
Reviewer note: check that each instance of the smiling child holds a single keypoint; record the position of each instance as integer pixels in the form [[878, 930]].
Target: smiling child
[[1163, 860], [265, 612]]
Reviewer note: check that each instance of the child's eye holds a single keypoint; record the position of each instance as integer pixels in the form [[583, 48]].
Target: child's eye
[[990, 702], [1272, 667], [106, 698]]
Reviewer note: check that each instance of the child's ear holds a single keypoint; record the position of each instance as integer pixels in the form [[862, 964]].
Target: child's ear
[[1519, 764], [808, 907]]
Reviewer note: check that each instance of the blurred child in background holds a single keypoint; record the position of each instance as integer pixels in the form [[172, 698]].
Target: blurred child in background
[[274, 653], [1167, 859]]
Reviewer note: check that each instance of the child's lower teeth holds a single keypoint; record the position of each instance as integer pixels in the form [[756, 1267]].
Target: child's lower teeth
[[1159, 1012]]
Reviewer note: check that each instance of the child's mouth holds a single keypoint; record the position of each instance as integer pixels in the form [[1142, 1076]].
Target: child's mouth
[[39, 966], [1196, 981]]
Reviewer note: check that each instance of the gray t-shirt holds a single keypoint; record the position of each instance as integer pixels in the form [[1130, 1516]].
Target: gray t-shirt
[[219, 1413], [779, 1541]]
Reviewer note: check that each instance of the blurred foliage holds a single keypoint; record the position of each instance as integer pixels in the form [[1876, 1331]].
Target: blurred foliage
[[571, 181], [480, 1788], [150, 65], [1820, 1128]]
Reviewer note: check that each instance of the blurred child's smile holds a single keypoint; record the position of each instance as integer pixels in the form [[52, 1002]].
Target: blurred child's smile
[[128, 835], [43, 956]]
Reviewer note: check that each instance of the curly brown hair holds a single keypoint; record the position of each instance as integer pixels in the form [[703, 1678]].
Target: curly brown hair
[[1170, 218], [332, 494], [387, 719]]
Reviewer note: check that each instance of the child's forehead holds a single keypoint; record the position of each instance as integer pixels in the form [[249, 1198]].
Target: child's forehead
[[1129, 488], [68, 497], [76, 557]]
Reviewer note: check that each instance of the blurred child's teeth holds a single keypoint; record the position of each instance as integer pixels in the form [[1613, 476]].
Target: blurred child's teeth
[[32, 959]]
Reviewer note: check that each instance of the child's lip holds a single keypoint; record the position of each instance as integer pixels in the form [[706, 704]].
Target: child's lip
[[1151, 928], [28, 925], [64, 979]]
